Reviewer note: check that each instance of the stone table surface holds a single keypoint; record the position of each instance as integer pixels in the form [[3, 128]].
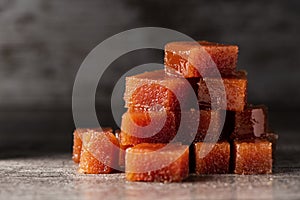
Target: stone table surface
[[55, 177]]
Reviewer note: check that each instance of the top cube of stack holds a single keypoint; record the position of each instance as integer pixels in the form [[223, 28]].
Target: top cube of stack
[[200, 59]]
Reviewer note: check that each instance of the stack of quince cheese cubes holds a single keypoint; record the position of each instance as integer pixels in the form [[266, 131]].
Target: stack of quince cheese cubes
[[148, 147]]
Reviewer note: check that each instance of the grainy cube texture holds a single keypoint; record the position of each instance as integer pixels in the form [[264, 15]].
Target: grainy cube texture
[[250, 123], [162, 127], [216, 160], [157, 162], [77, 145], [252, 156], [148, 127], [197, 125], [77, 141], [100, 152], [235, 86], [190, 58], [156, 91]]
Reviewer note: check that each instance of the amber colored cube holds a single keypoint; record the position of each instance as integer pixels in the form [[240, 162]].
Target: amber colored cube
[[235, 86], [190, 58], [148, 127], [77, 141], [252, 156], [156, 91], [157, 162], [216, 157], [100, 152], [162, 127], [197, 125], [250, 123], [77, 145]]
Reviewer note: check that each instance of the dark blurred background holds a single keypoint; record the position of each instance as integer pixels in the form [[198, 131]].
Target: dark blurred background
[[43, 42]]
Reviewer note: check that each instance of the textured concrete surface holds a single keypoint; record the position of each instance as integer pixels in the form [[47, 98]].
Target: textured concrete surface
[[55, 177], [44, 175]]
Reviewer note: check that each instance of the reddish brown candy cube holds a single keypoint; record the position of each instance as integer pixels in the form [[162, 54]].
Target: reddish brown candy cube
[[157, 162], [190, 58], [235, 86], [216, 159], [252, 156], [209, 126], [77, 145], [100, 152], [250, 123], [197, 125], [149, 127], [77, 141], [162, 127], [156, 91]]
